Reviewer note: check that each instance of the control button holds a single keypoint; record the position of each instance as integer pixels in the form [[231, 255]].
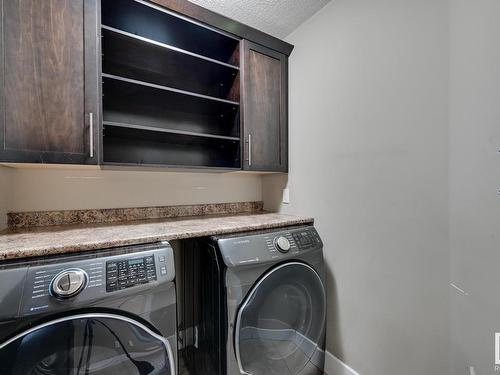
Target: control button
[[162, 258], [68, 283], [282, 244], [163, 270], [128, 273]]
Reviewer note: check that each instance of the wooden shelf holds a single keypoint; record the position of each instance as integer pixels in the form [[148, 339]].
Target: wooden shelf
[[131, 146], [128, 103], [170, 131], [151, 42], [170, 89], [128, 56], [157, 24], [158, 166]]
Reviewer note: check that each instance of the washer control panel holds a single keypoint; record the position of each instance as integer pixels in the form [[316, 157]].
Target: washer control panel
[[126, 273], [63, 281], [76, 280]]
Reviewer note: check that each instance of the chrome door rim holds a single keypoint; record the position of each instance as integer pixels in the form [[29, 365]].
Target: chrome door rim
[[99, 315], [250, 295]]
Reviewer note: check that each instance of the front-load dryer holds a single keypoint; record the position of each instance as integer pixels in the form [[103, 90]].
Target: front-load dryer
[[266, 292], [109, 312]]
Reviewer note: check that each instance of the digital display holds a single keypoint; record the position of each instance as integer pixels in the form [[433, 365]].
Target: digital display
[[133, 262]]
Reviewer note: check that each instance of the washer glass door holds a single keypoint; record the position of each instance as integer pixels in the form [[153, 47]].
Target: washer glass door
[[280, 325], [87, 344]]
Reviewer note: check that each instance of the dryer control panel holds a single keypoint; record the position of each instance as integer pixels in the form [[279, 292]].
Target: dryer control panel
[[269, 246], [306, 239]]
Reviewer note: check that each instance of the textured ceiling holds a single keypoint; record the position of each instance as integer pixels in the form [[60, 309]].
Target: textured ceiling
[[276, 17]]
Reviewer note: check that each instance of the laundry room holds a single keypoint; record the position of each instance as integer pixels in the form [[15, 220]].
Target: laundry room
[[260, 187]]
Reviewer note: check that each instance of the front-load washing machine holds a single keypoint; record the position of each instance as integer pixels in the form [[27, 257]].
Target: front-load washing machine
[[259, 304], [110, 312]]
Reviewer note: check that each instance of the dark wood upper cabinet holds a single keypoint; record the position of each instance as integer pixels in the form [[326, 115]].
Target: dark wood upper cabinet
[[140, 83], [48, 81], [265, 108]]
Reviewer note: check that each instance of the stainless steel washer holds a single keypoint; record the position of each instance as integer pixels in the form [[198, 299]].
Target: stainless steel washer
[[100, 313]]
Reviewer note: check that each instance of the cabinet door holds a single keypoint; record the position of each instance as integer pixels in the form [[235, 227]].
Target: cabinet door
[[48, 81], [265, 109]]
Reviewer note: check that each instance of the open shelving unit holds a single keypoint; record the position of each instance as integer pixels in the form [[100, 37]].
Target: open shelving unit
[[171, 89]]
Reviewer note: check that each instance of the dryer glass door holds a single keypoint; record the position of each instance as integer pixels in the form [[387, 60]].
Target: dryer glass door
[[90, 344], [280, 324]]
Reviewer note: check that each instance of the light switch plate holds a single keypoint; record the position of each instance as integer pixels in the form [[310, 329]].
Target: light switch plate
[[286, 196]]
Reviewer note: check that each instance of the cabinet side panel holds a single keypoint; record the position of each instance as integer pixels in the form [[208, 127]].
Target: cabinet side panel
[[44, 75]]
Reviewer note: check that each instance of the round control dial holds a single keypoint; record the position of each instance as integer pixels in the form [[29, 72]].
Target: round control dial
[[68, 283], [282, 244]]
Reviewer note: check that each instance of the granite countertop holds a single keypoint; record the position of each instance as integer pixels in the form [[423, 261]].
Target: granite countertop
[[41, 241]]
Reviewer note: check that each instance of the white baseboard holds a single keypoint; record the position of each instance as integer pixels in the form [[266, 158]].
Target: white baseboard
[[334, 366]]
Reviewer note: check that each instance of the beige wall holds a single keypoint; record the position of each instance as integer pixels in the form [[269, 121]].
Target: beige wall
[[475, 181], [369, 160], [63, 189], [5, 195]]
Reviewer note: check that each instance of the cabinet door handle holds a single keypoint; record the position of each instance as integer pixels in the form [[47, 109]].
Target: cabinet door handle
[[249, 150], [91, 134]]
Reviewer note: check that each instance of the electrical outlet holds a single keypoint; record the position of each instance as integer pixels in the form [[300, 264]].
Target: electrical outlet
[[286, 196]]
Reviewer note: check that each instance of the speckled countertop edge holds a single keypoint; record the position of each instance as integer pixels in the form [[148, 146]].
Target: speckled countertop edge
[[45, 241], [114, 215]]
